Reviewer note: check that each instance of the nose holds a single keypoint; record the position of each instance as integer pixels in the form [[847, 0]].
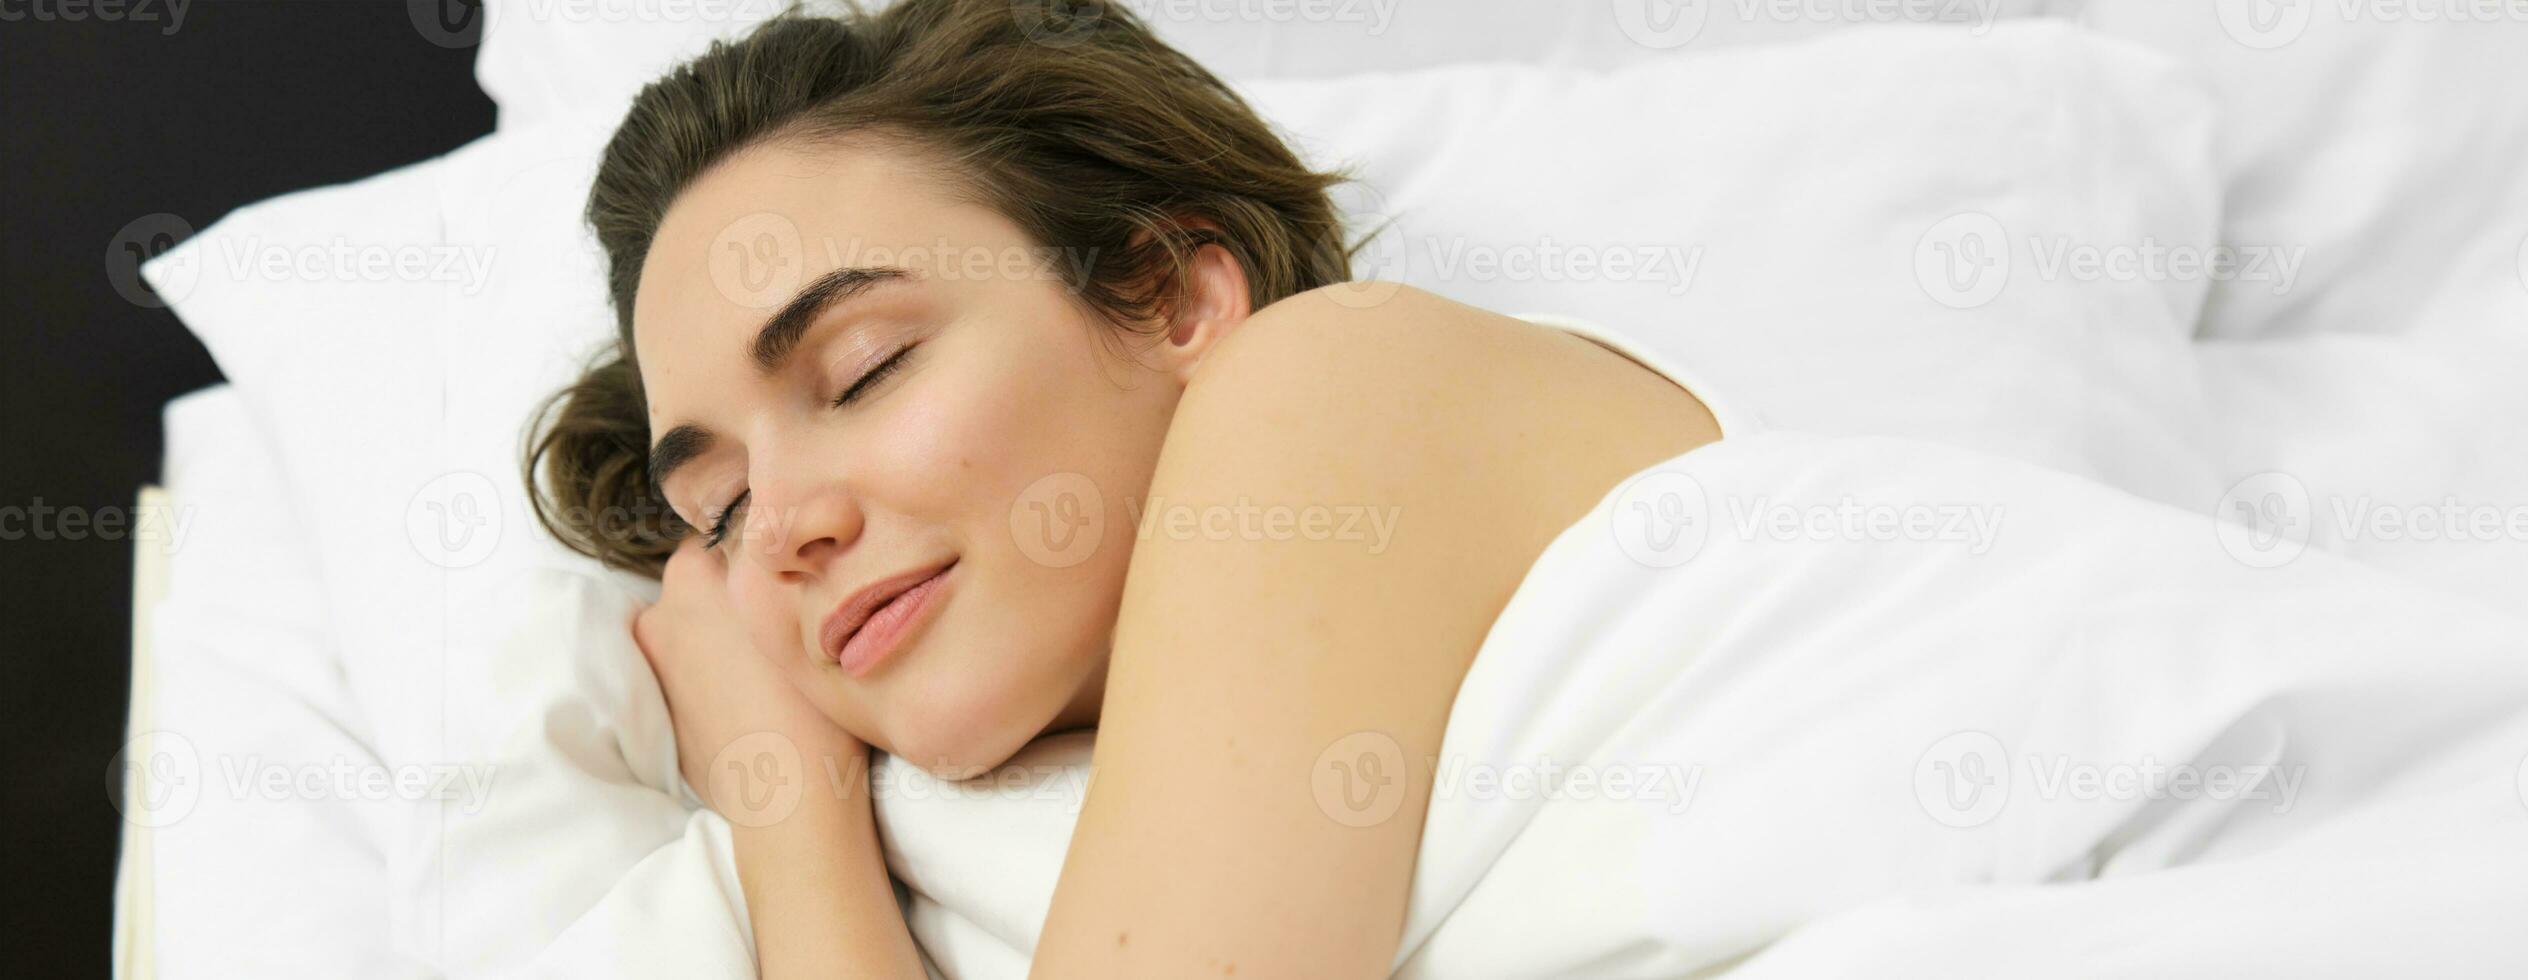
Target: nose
[[797, 523]]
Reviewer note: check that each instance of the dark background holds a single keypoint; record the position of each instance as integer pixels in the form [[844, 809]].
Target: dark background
[[103, 122]]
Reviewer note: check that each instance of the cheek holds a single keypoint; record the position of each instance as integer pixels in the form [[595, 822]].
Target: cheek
[[771, 622], [930, 449], [995, 421]]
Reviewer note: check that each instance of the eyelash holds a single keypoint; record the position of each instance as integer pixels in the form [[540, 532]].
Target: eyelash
[[870, 380], [719, 530]]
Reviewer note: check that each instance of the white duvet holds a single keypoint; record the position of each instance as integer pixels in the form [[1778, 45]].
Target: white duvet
[[2067, 733], [1797, 705]]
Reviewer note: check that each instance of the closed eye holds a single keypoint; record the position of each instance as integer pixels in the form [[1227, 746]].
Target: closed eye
[[719, 530], [893, 363]]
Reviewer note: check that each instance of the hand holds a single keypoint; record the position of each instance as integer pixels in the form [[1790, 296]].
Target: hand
[[814, 876], [720, 689]]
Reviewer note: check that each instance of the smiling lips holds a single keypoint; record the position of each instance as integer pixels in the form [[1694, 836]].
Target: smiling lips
[[859, 634]]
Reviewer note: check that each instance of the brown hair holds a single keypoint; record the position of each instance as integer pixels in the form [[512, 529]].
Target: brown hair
[[1068, 117]]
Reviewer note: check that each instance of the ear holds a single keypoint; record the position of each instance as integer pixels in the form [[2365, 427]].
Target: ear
[[1215, 303]]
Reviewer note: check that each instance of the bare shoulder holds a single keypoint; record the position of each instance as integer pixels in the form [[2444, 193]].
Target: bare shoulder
[[1417, 394], [1347, 498], [1434, 417]]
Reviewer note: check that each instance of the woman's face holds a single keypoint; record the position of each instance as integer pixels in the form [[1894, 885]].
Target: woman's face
[[989, 424]]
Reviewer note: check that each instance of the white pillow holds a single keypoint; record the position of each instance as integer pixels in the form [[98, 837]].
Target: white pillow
[[2384, 140], [1812, 192], [547, 59], [393, 334], [243, 686]]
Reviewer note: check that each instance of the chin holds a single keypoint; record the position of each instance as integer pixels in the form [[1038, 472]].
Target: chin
[[958, 731], [960, 758]]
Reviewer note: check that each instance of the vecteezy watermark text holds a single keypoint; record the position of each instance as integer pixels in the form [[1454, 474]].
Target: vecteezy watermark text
[[1966, 260], [36, 520], [1360, 780], [762, 259], [1663, 518], [2268, 24], [1546, 260], [2266, 520], [169, 13], [464, 266], [1666, 24], [1966, 779], [1246, 520], [160, 776]]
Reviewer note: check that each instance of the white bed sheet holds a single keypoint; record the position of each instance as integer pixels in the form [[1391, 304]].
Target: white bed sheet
[[263, 835], [2335, 753], [246, 884]]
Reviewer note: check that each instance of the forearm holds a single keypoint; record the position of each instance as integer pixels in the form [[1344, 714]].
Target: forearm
[[816, 887]]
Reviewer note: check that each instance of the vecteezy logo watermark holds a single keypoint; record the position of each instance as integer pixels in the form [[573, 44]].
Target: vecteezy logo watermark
[[2268, 24], [1041, 783], [1963, 780], [1661, 519], [168, 13], [2268, 519], [1662, 24], [448, 23], [146, 238], [1359, 781], [757, 261], [454, 521], [155, 780], [2264, 520], [159, 777], [1059, 520], [1965, 261], [2264, 24], [1966, 779], [1974, 526], [1057, 23], [757, 779]]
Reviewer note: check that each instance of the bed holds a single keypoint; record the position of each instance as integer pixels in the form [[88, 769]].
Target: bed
[[474, 771]]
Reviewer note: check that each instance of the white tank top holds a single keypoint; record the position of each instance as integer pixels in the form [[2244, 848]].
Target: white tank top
[[1735, 420]]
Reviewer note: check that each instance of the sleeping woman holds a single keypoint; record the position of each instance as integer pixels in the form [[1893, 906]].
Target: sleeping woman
[[988, 370], [991, 375]]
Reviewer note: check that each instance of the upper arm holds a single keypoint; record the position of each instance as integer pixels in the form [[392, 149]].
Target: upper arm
[[1261, 635]]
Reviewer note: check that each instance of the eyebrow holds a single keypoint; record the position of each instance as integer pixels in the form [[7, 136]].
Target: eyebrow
[[780, 335], [773, 345], [679, 446]]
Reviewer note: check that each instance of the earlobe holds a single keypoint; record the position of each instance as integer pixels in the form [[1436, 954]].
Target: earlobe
[[1215, 303]]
